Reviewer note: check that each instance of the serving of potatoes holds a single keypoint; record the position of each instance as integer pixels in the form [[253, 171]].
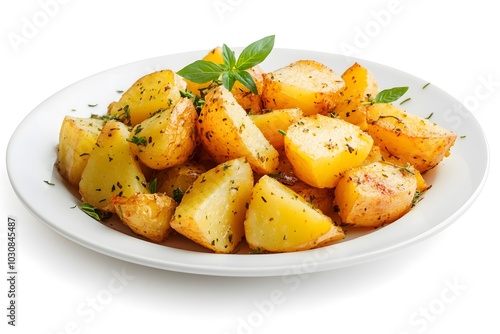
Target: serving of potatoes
[[284, 168]]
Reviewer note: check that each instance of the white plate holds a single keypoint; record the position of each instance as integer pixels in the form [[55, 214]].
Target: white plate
[[31, 153]]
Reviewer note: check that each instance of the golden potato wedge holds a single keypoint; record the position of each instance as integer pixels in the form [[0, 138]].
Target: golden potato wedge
[[153, 92], [167, 138], [147, 215], [112, 169], [77, 138], [227, 132], [272, 122], [212, 210], [360, 86], [321, 148], [305, 84], [412, 139], [280, 220], [375, 194]]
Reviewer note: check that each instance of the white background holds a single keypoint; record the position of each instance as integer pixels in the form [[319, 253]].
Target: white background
[[452, 45]]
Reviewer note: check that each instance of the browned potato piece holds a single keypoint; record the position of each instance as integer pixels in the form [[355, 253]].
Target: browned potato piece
[[212, 210], [360, 85], [167, 138], [227, 132], [112, 169], [321, 148], [412, 139], [150, 93], [305, 84], [77, 138], [280, 220], [272, 122], [176, 180], [147, 215], [375, 194]]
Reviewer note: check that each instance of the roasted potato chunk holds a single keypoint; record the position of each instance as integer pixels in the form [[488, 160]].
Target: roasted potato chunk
[[305, 84], [147, 215], [153, 92], [212, 210], [375, 194], [175, 181], [111, 169], [412, 139], [280, 220], [77, 138], [167, 138], [360, 86], [274, 122], [227, 132], [321, 148]]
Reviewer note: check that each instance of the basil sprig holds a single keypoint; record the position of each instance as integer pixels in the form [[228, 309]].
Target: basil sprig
[[232, 69], [388, 95]]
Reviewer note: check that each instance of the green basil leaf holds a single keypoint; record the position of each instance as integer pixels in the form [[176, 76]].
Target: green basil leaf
[[228, 57], [247, 80], [390, 95], [255, 53], [201, 71], [94, 212], [228, 79]]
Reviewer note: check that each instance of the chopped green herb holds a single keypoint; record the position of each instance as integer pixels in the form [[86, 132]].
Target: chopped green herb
[[404, 101], [49, 183], [140, 141], [198, 101], [93, 212], [178, 194], [152, 185], [425, 86]]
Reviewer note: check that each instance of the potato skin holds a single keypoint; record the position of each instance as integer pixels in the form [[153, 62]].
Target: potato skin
[[375, 194]]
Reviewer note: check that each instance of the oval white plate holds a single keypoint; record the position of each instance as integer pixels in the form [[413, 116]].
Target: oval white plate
[[31, 153]]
